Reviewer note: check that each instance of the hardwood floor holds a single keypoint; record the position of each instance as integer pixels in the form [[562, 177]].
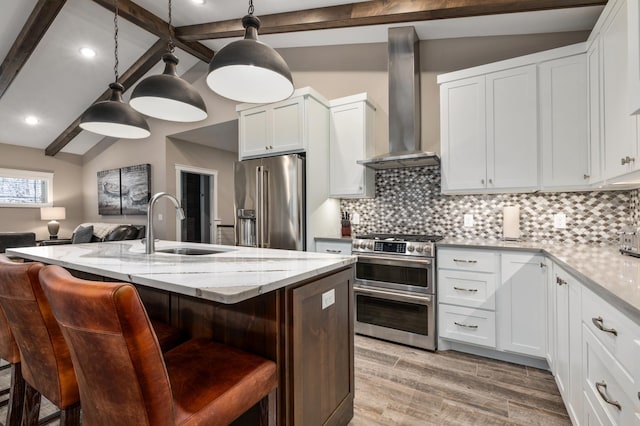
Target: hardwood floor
[[399, 385]]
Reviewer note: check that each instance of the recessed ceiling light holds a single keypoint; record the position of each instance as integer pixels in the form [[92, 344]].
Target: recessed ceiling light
[[87, 52], [31, 120], [198, 1]]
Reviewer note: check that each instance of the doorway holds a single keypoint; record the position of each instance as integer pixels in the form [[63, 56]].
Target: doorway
[[196, 189]]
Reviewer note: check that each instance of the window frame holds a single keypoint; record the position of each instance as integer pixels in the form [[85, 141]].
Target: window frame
[[29, 174]]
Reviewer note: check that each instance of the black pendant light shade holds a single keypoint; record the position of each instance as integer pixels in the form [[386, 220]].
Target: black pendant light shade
[[248, 70], [167, 96], [115, 118]]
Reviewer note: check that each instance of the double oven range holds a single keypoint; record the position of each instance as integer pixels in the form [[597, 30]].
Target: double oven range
[[395, 288]]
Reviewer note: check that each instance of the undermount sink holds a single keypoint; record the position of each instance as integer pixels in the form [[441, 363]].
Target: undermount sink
[[189, 251]]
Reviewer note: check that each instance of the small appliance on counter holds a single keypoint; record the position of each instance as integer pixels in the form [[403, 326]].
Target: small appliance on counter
[[630, 242]]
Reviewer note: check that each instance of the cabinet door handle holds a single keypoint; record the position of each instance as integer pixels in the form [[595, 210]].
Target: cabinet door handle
[[603, 394], [627, 160], [560, 281], [490, 181], [482, 181], [465, 261], [543, 265], [599, 322], [333, 251], [472, 290], [465, 325], [586, 176]]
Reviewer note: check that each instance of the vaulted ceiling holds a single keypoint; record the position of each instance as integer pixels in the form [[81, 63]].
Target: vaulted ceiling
[[43, 74]]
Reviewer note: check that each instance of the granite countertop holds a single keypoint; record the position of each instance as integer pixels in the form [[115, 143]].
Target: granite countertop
[[234, 275], [613, 276]]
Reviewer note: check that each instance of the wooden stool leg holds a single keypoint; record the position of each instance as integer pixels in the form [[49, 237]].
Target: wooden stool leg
[[268, 409], [16, 396], [31, 412], [70, 416]]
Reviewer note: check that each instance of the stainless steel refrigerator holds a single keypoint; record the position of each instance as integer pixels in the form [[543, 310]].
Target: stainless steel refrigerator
[[270, 202]]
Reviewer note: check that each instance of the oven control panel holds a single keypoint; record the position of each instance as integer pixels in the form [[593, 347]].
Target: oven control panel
[[416, 249]]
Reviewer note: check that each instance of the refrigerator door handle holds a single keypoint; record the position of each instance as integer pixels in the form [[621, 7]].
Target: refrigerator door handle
[[259, 206], [266, 208]]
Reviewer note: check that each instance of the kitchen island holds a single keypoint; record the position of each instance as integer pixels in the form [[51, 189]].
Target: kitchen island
[[292, 307]]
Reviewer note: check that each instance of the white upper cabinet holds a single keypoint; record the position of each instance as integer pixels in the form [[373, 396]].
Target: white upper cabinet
[[490, 118], [351, 139], [595, 135], [278, 128], [633, 54], [620, 139], [463, 135], [564, 123], [512, 129]]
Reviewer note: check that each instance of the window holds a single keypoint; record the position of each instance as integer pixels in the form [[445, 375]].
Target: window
[[24, 188]]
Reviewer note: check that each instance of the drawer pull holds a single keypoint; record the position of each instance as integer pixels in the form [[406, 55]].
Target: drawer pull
[[465, 325], [599, 322], [473, 290], [603, 394], [333, 251], [465, 261]]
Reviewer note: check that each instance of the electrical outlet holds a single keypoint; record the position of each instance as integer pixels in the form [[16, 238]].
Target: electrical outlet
[[355, 219], [468, 220], [559, 221]]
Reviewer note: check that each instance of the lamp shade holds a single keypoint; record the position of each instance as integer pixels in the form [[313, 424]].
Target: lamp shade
[[53, 213], [115, 118], [248, 70], [167, 96]]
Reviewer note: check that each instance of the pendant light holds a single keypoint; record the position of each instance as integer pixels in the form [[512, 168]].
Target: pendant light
[[114, 117], [248, 70], [167, 96]]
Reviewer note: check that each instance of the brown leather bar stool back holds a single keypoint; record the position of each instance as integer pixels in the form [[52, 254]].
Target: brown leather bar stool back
[[46, 362], [10, 353], [122, 375]]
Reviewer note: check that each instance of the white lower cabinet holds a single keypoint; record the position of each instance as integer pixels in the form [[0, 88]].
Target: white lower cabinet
[[475, 326], [568, 361], [522, 304], [511, 305], [493, 299]]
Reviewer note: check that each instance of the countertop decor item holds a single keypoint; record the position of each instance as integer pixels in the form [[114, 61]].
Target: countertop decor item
[[113, 117], [511, 223], [167, 96], [53, 215], [248, 70]]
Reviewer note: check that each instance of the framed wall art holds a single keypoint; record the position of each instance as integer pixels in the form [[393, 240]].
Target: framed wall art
[[124, 191]]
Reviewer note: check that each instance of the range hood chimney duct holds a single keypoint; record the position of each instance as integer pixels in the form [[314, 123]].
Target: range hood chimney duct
[[404, 105]]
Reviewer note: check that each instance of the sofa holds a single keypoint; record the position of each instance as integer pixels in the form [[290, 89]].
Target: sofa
[[94, 232], [17, 239]]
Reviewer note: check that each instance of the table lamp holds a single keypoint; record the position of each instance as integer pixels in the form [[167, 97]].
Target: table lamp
[[53, 214]]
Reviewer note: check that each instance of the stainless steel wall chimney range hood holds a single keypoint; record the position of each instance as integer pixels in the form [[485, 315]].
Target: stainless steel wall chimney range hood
[[404, 105]]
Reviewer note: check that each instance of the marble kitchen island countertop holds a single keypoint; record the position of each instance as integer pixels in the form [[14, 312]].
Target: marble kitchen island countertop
[[613, 276], [236, 274]]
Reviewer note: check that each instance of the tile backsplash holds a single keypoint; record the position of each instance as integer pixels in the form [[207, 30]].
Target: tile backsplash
[[409, 201]]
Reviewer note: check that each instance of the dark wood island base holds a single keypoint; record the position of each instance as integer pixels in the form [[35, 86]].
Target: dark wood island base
[[306, 328]]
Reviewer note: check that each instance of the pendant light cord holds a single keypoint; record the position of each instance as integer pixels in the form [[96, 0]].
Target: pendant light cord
[[170, 47], [115, 37], [250, 11]]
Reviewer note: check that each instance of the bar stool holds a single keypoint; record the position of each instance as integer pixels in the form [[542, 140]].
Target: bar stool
[[9, 352], [46, 362], [121, 372]]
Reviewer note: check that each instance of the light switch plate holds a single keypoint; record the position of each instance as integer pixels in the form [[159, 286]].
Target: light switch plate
[[559, 221], [328, 298]]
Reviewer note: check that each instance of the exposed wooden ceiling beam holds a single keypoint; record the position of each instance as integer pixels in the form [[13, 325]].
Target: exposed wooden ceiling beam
[[374, 12], [32, 32], [153, 24], [150, 58]]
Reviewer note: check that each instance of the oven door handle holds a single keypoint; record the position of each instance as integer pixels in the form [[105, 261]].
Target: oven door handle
[[394, 261], [391, 295]]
